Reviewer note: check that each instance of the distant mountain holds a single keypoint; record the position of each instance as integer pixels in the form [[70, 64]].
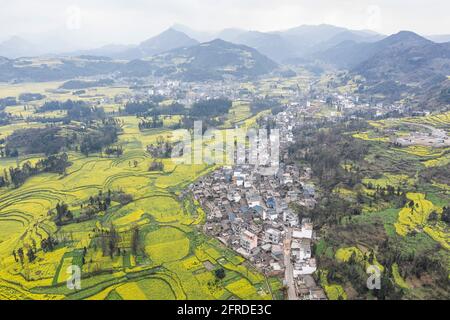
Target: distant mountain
[[214, 60], [297, 42], [345, 55], [407, 58], [309, 35], [230, 34], [167, 40], [349, 54], [16, 47], [201, 36], [347, 35], [35, 69], [440, 38], [271, 45], [287, 45], [400, 65], [279, 45], [4, 60], [109, 50], [308, 39]]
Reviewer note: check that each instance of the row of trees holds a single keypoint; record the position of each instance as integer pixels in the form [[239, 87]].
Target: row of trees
[[210, 108], [114, 243], [139, 108], [156, 166], [201, 109], [36, 140], [152, 109], [88, 209], [17, 176], [7, 102], [5, 118], [19, 255], [61, 105], [103, 135], [76, 110], [161, 149], [50, 140], [114, 150], [152, 123], [389, 194], [27, 97], [258, 105]]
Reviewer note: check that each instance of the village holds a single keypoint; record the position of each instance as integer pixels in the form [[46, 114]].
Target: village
[[255, 213], [251, 212]]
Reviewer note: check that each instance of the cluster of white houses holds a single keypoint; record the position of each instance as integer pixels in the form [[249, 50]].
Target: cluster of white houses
[[250, 213]]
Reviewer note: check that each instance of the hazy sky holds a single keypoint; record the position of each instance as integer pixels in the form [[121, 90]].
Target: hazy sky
[[131, 21]]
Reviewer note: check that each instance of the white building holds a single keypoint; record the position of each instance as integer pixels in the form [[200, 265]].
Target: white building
[[305, 267], [272, 235], [253, 200], [305, 231], [301, 249], [270, 214], [249, 240]]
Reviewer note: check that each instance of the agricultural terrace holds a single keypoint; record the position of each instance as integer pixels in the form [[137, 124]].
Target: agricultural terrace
[[401, 195], [172, 260], [427, 138], [394, 161]]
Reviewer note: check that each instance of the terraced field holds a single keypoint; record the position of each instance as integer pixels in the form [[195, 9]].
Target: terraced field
[[178, 257], [386, 131], [402, 195]]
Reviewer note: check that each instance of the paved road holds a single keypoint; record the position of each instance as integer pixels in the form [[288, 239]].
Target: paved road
[[289, 269], [434, 131], [438, 137]]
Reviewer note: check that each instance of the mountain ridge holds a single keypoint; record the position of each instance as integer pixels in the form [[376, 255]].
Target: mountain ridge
[[213, 60]]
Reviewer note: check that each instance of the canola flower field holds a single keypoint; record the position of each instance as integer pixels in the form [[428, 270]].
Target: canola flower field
[[178, 259]]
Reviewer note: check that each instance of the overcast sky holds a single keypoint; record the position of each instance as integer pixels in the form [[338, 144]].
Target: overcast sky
[[131, 21]]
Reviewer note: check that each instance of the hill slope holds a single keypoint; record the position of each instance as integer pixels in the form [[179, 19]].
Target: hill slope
[[25, 69], [271, 45], [16, 47], [401, 64], [407, 58], [216, 59]]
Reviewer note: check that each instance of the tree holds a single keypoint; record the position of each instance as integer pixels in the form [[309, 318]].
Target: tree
[[48, 244], [31, 255], [446, 215], [113, 240], [21, 255], [210, 108], [434, 216], [135, 240], [220, 273]]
